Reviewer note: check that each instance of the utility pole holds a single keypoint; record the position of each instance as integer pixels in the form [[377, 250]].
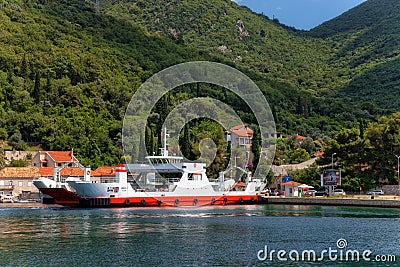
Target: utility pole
[[332, 159], [398, 170]]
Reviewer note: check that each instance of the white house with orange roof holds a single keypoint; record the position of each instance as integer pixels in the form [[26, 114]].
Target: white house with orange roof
[[240, 136], [291, 189], [54, 159], [104, 174]]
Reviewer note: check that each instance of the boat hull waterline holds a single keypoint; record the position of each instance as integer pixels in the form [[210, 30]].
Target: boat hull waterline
[[67, 198], [191, 190]]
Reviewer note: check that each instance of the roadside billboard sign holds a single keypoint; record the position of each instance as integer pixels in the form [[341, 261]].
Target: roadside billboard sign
[[331, 178]]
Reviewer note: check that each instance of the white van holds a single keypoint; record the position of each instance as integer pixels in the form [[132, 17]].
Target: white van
[[8, 198]]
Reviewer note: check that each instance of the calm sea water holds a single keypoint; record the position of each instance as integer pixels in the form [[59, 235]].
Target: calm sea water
[[208, 236]]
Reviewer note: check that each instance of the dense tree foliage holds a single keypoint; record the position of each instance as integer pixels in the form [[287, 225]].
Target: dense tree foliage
[[67, 75], [366, 40], [367, 160]]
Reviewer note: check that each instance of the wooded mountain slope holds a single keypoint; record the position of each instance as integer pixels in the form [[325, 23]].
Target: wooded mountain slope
[[367, 42], [67, 73]]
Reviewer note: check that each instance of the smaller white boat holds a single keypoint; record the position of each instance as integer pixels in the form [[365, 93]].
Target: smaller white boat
[[59, 191]]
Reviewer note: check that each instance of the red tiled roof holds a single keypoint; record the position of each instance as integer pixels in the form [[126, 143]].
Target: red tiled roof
[[242, 130], [62, 156], [319, 153], [104, 171], [19, 172], [247, 133], [238, 127], [49, 172], [300, 137], [76, 172], [46, 172], [292, 183]]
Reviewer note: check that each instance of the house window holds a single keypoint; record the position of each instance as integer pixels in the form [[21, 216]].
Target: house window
[[59, 164], [20, 184], [29, 184]]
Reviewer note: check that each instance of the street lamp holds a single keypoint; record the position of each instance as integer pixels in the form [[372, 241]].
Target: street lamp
[[398, 170], [332, 159]]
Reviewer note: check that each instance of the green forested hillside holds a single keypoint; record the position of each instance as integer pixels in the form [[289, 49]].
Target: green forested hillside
[[67, 73], [294, 71], [255, 43], [367, 44]]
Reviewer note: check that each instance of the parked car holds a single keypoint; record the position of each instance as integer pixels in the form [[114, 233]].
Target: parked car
[[321, 193], [338, 192], [376, 192], [310, 193], [8, 198]]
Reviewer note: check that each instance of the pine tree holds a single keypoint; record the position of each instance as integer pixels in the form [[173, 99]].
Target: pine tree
[[142, 149], [24, 68], [255, 145], [299, 107], [185, 142], [36, 88], [305, 110], [149, 140]]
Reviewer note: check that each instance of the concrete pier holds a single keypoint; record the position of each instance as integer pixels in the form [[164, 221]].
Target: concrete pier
[[361, 202]]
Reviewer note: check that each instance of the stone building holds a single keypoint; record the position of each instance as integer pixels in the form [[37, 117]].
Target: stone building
[[54, 159], [17, 181]]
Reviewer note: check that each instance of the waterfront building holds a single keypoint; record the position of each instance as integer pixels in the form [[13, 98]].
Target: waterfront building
[[291, 189], [17, 181], [240, 136], [54, 159]]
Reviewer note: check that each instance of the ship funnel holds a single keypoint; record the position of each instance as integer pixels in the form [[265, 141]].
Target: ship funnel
[[121, 175]]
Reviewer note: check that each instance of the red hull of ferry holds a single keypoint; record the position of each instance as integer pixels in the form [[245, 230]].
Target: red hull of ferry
[[169, 201], [185, 201], [62, 196], [67, 198]]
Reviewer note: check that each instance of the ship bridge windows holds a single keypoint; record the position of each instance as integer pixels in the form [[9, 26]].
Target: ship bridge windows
[[112, 189], [159, 161], [194, 176]]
